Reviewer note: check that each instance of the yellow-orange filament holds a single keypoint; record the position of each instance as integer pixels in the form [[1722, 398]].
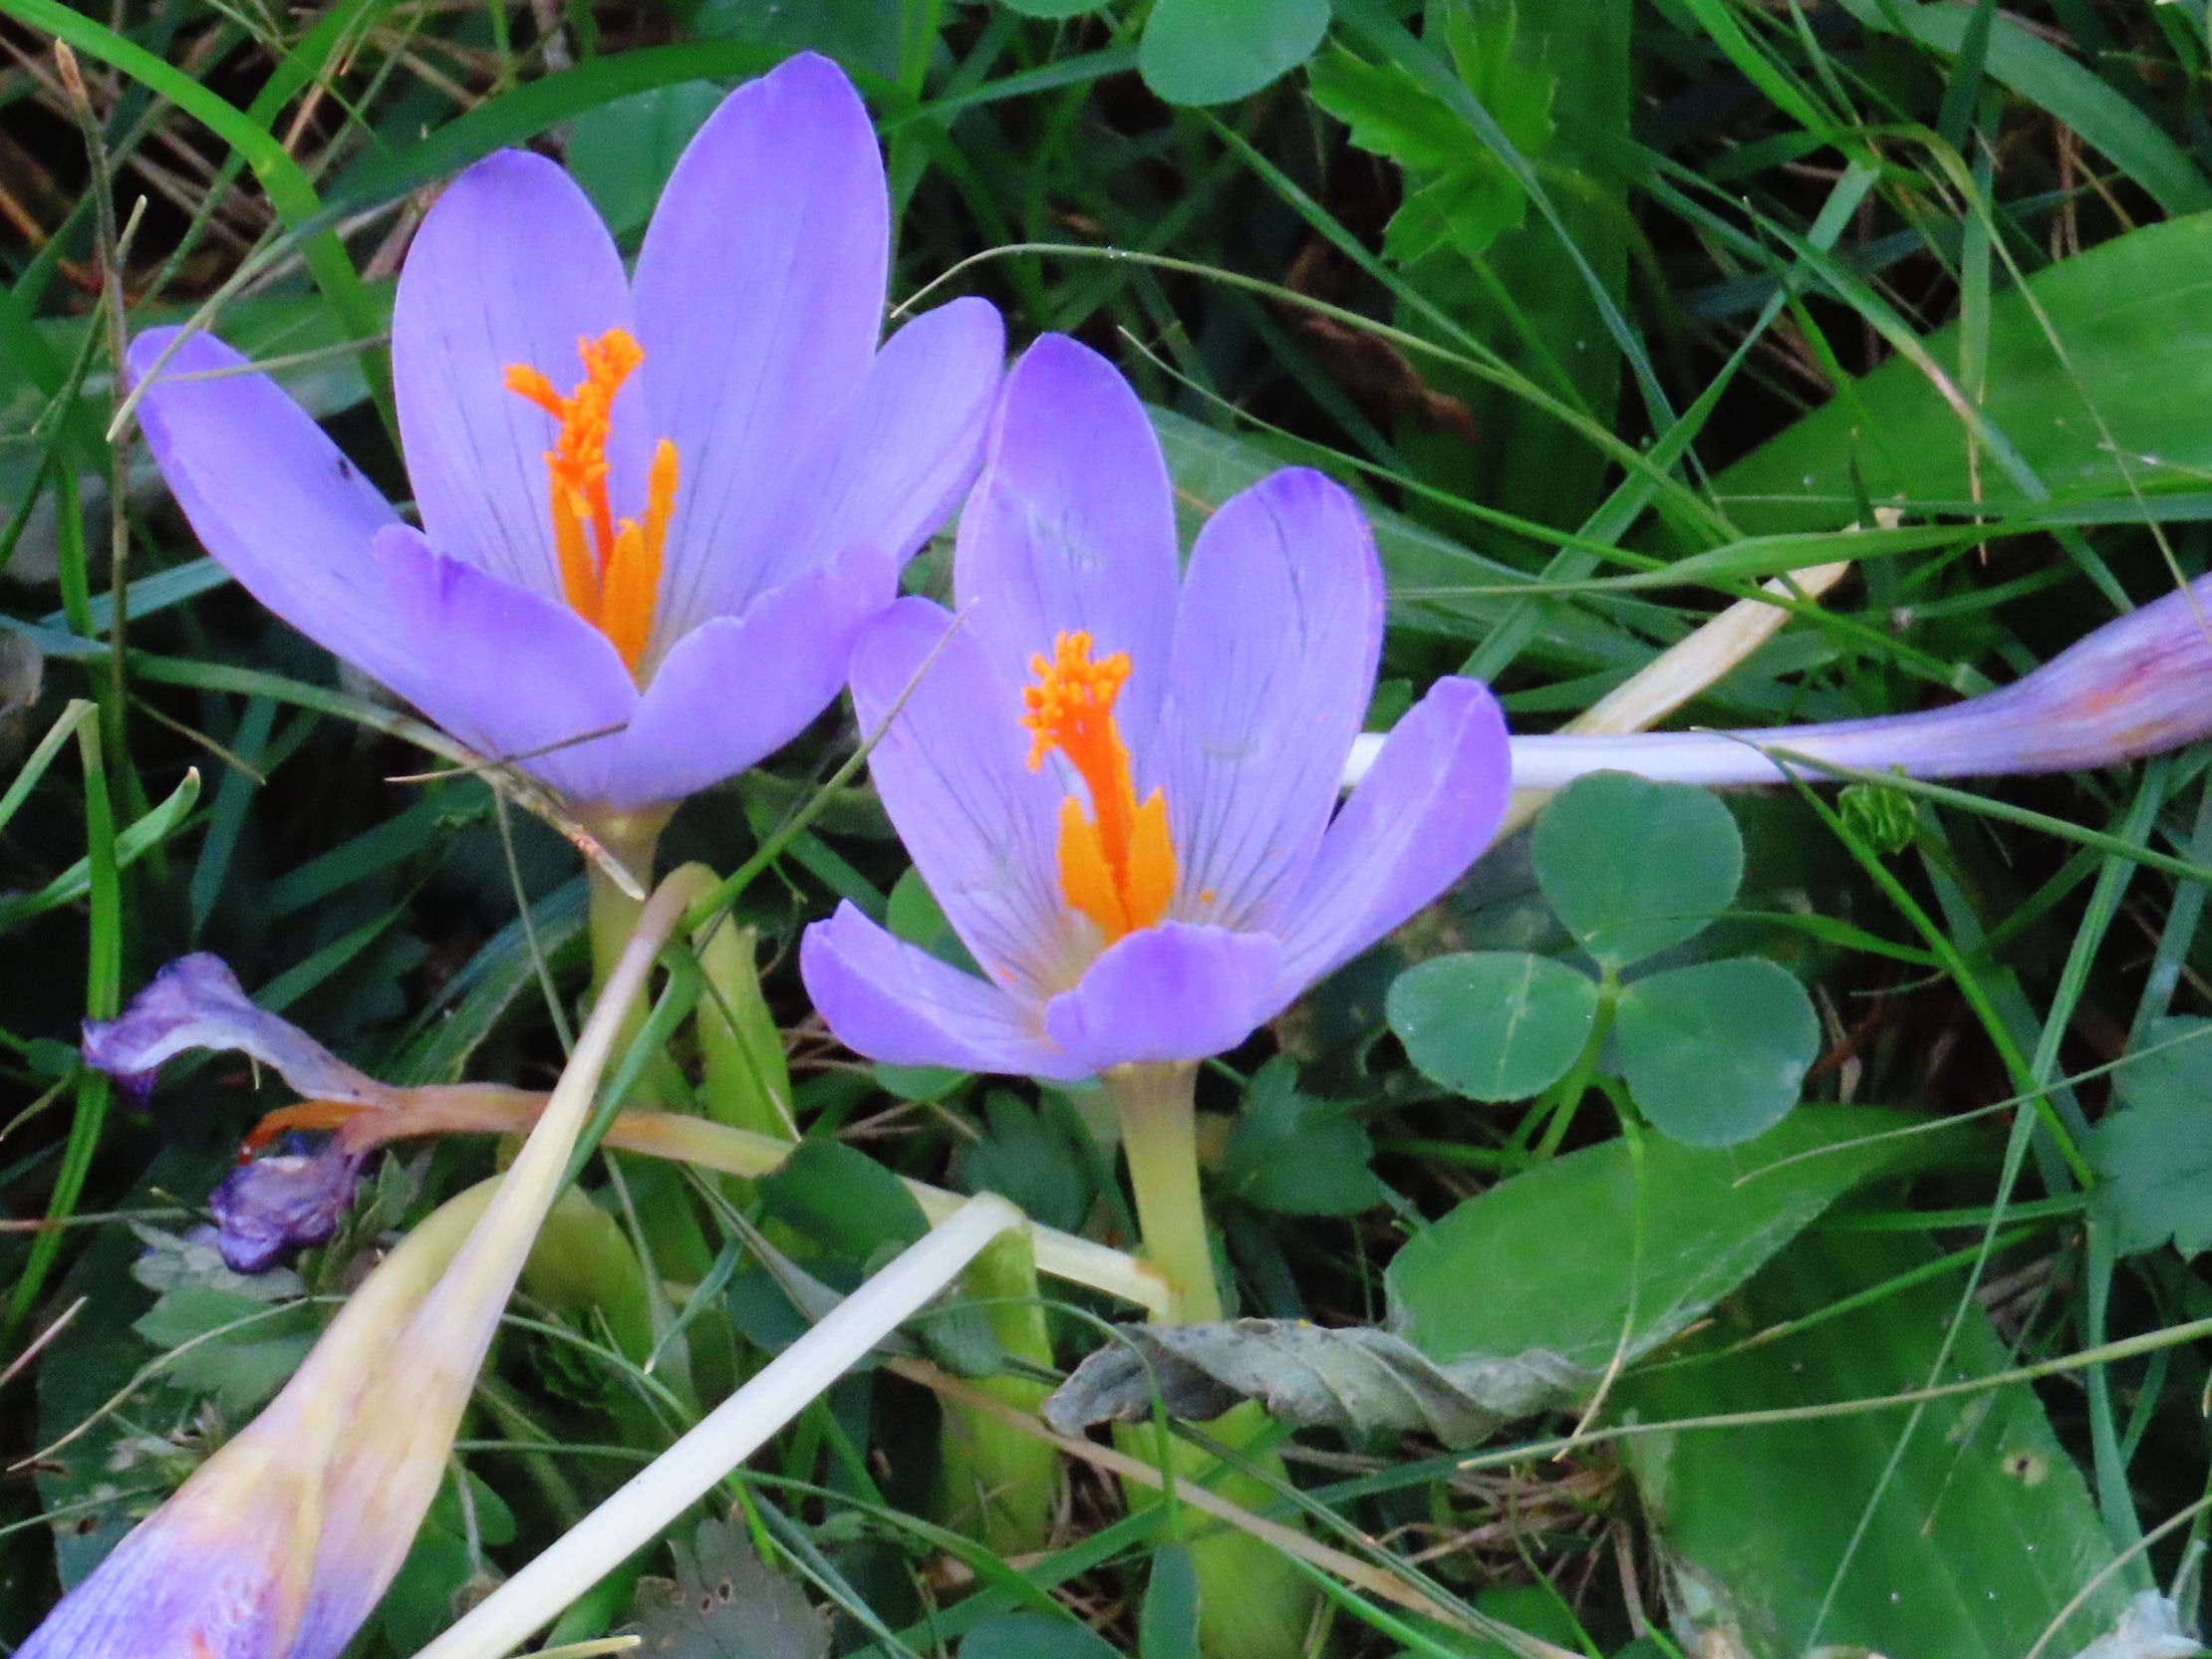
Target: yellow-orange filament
[[1116, 866], [610, 571]]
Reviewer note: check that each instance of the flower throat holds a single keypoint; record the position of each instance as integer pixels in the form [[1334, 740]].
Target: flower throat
[[1117, 866], [610, 571]]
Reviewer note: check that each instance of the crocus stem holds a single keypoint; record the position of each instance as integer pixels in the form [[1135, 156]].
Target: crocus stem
[[630, 838], [1157, 1105], [728, 1435], [1253, 1601]]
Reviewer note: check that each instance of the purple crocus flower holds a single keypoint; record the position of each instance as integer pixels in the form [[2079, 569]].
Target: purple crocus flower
[[1120, 780], [656, 508]]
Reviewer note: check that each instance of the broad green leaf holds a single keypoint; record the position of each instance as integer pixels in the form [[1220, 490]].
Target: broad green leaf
[[2137, 339], [1984, 1532], [1544, 1261], [2155, 1150], [1295, 1155], [622, 152], [1213, 51], [1633, 867], [1493, 1025], [1717, 1052], [1054, 8]]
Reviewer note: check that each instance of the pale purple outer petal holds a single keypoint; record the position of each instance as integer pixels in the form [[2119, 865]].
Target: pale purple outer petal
[[895, 1002], [952, 770], [760, 297], [738, 689], [272, 499], [196, 1002], [1176, 991], [516, 673], [2134, 686], [912, 445], [1072, 527], [281, 1202], [512, 265], [181, 1574], [1421, 816], [1275, 644]]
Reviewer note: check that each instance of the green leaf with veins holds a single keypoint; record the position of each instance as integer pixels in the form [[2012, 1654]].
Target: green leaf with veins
[[1459, 193]]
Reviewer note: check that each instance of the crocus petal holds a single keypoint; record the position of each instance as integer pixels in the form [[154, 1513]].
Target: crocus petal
[[196, 1002], [760, 297], [200, 1584], [1423, 814], [516, 673], [1177, 991], [1072, 527], [913, 445], [1275, 644], [895, 1002], [738, 689], [272, 498], [282, 1203], [952, 769], [512, 265], [2134, 686]]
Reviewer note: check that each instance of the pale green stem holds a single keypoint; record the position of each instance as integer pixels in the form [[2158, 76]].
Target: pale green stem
[[1158, 1107], [630, 839]]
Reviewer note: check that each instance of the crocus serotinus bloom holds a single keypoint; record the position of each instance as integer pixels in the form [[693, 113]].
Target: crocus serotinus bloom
[[662, 505], [1118, 780]]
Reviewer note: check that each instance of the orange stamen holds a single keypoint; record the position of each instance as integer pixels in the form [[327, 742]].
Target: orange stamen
[[610, 571], [308, 1114], [1117, 866]]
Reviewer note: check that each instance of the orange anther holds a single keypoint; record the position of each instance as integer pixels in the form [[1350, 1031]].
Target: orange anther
[[308, 1114], [610, 572], [1117, 866]]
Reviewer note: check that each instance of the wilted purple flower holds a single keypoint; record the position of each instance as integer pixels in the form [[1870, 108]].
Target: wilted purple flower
[[684, 544], [278, 1203], [281, 1201], [1174, 877], [2140, 684]]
